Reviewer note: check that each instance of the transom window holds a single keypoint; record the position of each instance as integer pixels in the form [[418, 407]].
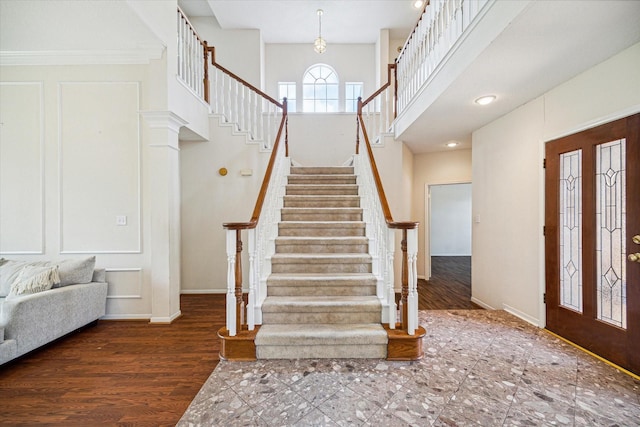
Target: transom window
[[320, 91]]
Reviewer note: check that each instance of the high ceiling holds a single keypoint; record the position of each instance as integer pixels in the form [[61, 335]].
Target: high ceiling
[[296, 21], [548, 43]]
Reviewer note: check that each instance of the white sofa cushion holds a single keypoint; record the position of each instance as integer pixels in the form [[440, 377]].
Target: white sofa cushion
[[33, 279], [9, 271]]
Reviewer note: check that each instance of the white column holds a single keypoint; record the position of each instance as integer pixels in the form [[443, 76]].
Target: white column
[[163, 176]]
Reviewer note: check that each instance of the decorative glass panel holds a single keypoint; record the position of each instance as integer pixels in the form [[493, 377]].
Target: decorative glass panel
[[571, 230], [610, 230]]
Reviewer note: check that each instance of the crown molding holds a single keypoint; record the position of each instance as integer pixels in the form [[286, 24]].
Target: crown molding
[[142, 55]]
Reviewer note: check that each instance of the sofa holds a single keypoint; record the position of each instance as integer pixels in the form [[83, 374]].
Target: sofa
[[43, 301]]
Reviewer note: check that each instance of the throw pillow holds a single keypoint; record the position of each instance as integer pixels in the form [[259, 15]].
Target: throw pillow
[[33, 279], [74, 271], [9, 271]]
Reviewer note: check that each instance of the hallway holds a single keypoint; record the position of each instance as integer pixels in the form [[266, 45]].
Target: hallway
[[449, 287]]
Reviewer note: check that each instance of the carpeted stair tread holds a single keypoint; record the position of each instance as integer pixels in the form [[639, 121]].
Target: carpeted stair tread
[[320, 304], [322, 334], [302, 258], [315, 170]]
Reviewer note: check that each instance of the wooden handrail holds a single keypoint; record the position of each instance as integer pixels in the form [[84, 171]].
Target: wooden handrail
[[415, 27], [193, 30], [383, 87], [253, 222], [404, 225], [212, 49]]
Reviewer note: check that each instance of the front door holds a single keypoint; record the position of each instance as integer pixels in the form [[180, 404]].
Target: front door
[[592, 240]]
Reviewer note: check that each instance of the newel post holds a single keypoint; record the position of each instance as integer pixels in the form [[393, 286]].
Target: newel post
[[412, 267], [238, 279], [285, 110], [358, 116], [405, 282], [205, 51], [231, 282]]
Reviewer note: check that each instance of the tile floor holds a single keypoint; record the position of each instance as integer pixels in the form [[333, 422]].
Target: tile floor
[[480, 367]]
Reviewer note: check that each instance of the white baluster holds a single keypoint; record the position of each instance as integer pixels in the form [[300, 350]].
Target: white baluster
[[391, 293]]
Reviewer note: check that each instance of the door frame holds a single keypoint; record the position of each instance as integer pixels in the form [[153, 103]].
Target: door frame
[[427, 222], [602, 120]]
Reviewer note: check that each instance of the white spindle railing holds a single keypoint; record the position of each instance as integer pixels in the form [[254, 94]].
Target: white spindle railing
[[381, 239], [382, 250], [191, 56], [261, 248], [378, 115], [248, 109], [265, 234], [440, 26]]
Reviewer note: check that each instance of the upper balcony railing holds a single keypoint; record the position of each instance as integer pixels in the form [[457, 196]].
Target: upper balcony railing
[[439, 28], [192, 58]]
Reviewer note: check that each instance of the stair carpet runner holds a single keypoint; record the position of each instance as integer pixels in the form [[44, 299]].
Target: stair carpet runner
[[321, 296]]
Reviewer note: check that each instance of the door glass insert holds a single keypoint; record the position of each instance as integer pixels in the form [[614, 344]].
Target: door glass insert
[[611, 255], [570, 227]]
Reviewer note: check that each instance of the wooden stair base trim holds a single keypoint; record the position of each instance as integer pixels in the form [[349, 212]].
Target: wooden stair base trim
[[402, 346], [241, 348]]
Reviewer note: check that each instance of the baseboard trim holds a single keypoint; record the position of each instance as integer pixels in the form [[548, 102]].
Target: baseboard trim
[[126, 317], [481, 304], [165, 319], [203, 291], [524, 316]]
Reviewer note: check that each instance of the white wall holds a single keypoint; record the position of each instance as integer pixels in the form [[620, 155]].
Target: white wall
[[508, 192], [239, 51], [450, 227], [444, 167], [322, 139], [76, 134]]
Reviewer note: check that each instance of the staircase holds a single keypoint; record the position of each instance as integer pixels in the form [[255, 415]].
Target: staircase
[[321, 296]]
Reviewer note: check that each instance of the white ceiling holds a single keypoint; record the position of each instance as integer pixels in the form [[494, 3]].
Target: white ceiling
[[546, 45], [296, 21]]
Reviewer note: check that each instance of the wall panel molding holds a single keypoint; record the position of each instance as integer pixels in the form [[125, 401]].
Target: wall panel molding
[[136, 289], [39, 247], [104, 244]]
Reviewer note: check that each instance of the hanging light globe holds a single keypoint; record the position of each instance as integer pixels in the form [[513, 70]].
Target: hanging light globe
[[320, 45]]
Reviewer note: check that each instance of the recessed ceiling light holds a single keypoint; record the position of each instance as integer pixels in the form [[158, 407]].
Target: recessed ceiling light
[[418, 4], [452, 144], [484, 100]]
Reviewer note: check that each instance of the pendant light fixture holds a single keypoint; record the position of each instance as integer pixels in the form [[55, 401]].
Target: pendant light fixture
[[320, 45]]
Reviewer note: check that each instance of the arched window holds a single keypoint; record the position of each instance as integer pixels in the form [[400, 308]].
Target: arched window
[[320, 89]]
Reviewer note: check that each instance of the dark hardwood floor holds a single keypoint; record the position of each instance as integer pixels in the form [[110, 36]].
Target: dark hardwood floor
[[449, 286], [132, 373], [121, 373]]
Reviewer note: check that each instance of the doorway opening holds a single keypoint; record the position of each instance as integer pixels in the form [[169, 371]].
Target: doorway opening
[[448, 248]]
